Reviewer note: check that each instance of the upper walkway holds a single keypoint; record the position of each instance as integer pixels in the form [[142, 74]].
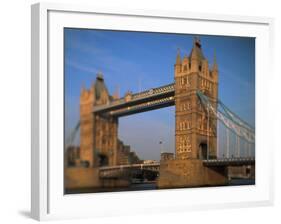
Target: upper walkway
[[132, 103]]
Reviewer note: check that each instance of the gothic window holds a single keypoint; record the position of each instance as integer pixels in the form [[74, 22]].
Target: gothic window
[[186, 144], [188, 148], [200, 123], [188, 81], [188, 125], [185, 68], [183, 81], [180, 144]]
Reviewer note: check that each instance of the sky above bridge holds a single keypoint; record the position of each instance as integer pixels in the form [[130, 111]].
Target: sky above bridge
[[137, 61]]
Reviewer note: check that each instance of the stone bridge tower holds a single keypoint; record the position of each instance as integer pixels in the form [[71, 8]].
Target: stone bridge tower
[[98, 135], [195, 131], [195, 135]]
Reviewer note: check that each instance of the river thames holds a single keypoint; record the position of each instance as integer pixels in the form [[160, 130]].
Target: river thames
[[150, 186]]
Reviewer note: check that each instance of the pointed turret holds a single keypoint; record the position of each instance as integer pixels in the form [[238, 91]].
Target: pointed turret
[[196, 56], [178, 60], [185, 64], [101, 92], [93, 91], [196, 52], [178, 63], [215, 65]]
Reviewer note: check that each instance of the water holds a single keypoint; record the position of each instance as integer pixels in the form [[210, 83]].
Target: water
[[237, 182], [149, 186]]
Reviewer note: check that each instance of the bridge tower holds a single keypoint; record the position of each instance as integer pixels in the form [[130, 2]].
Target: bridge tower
[[195, 131], [98, 134], [195, 135]]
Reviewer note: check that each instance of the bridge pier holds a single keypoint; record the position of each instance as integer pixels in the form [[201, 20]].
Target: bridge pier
[[190, 173], [81, 178]]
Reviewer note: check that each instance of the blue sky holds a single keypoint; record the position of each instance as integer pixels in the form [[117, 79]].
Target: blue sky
[[137, 61]]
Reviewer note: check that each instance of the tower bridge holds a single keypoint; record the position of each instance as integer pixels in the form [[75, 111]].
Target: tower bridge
[[198, 112]]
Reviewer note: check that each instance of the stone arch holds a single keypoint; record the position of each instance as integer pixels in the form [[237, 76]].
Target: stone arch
[[103, 159], [203, 150]]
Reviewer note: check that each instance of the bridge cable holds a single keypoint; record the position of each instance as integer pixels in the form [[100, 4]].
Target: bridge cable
[[70, 139], [238, 127], [226, 143]]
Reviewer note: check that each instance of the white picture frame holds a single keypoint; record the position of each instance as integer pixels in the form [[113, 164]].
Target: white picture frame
[[48, 201]]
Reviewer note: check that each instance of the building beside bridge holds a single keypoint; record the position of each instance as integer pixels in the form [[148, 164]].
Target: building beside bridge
[[124, 156], [167, 156]]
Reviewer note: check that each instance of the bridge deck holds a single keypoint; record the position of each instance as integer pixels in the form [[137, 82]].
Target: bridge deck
[[138, 99], [142, 107], [122, 171], [230, 161], [210, 162], [129, 166]]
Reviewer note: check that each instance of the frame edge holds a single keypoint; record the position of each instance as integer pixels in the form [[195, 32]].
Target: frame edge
[[39, 190], [35, 177], [39, 169]]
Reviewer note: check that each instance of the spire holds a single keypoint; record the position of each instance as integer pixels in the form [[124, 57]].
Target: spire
[[196, 42], [196, 52], [100, 75], [178, 60], [215, 65], [100, 86]]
